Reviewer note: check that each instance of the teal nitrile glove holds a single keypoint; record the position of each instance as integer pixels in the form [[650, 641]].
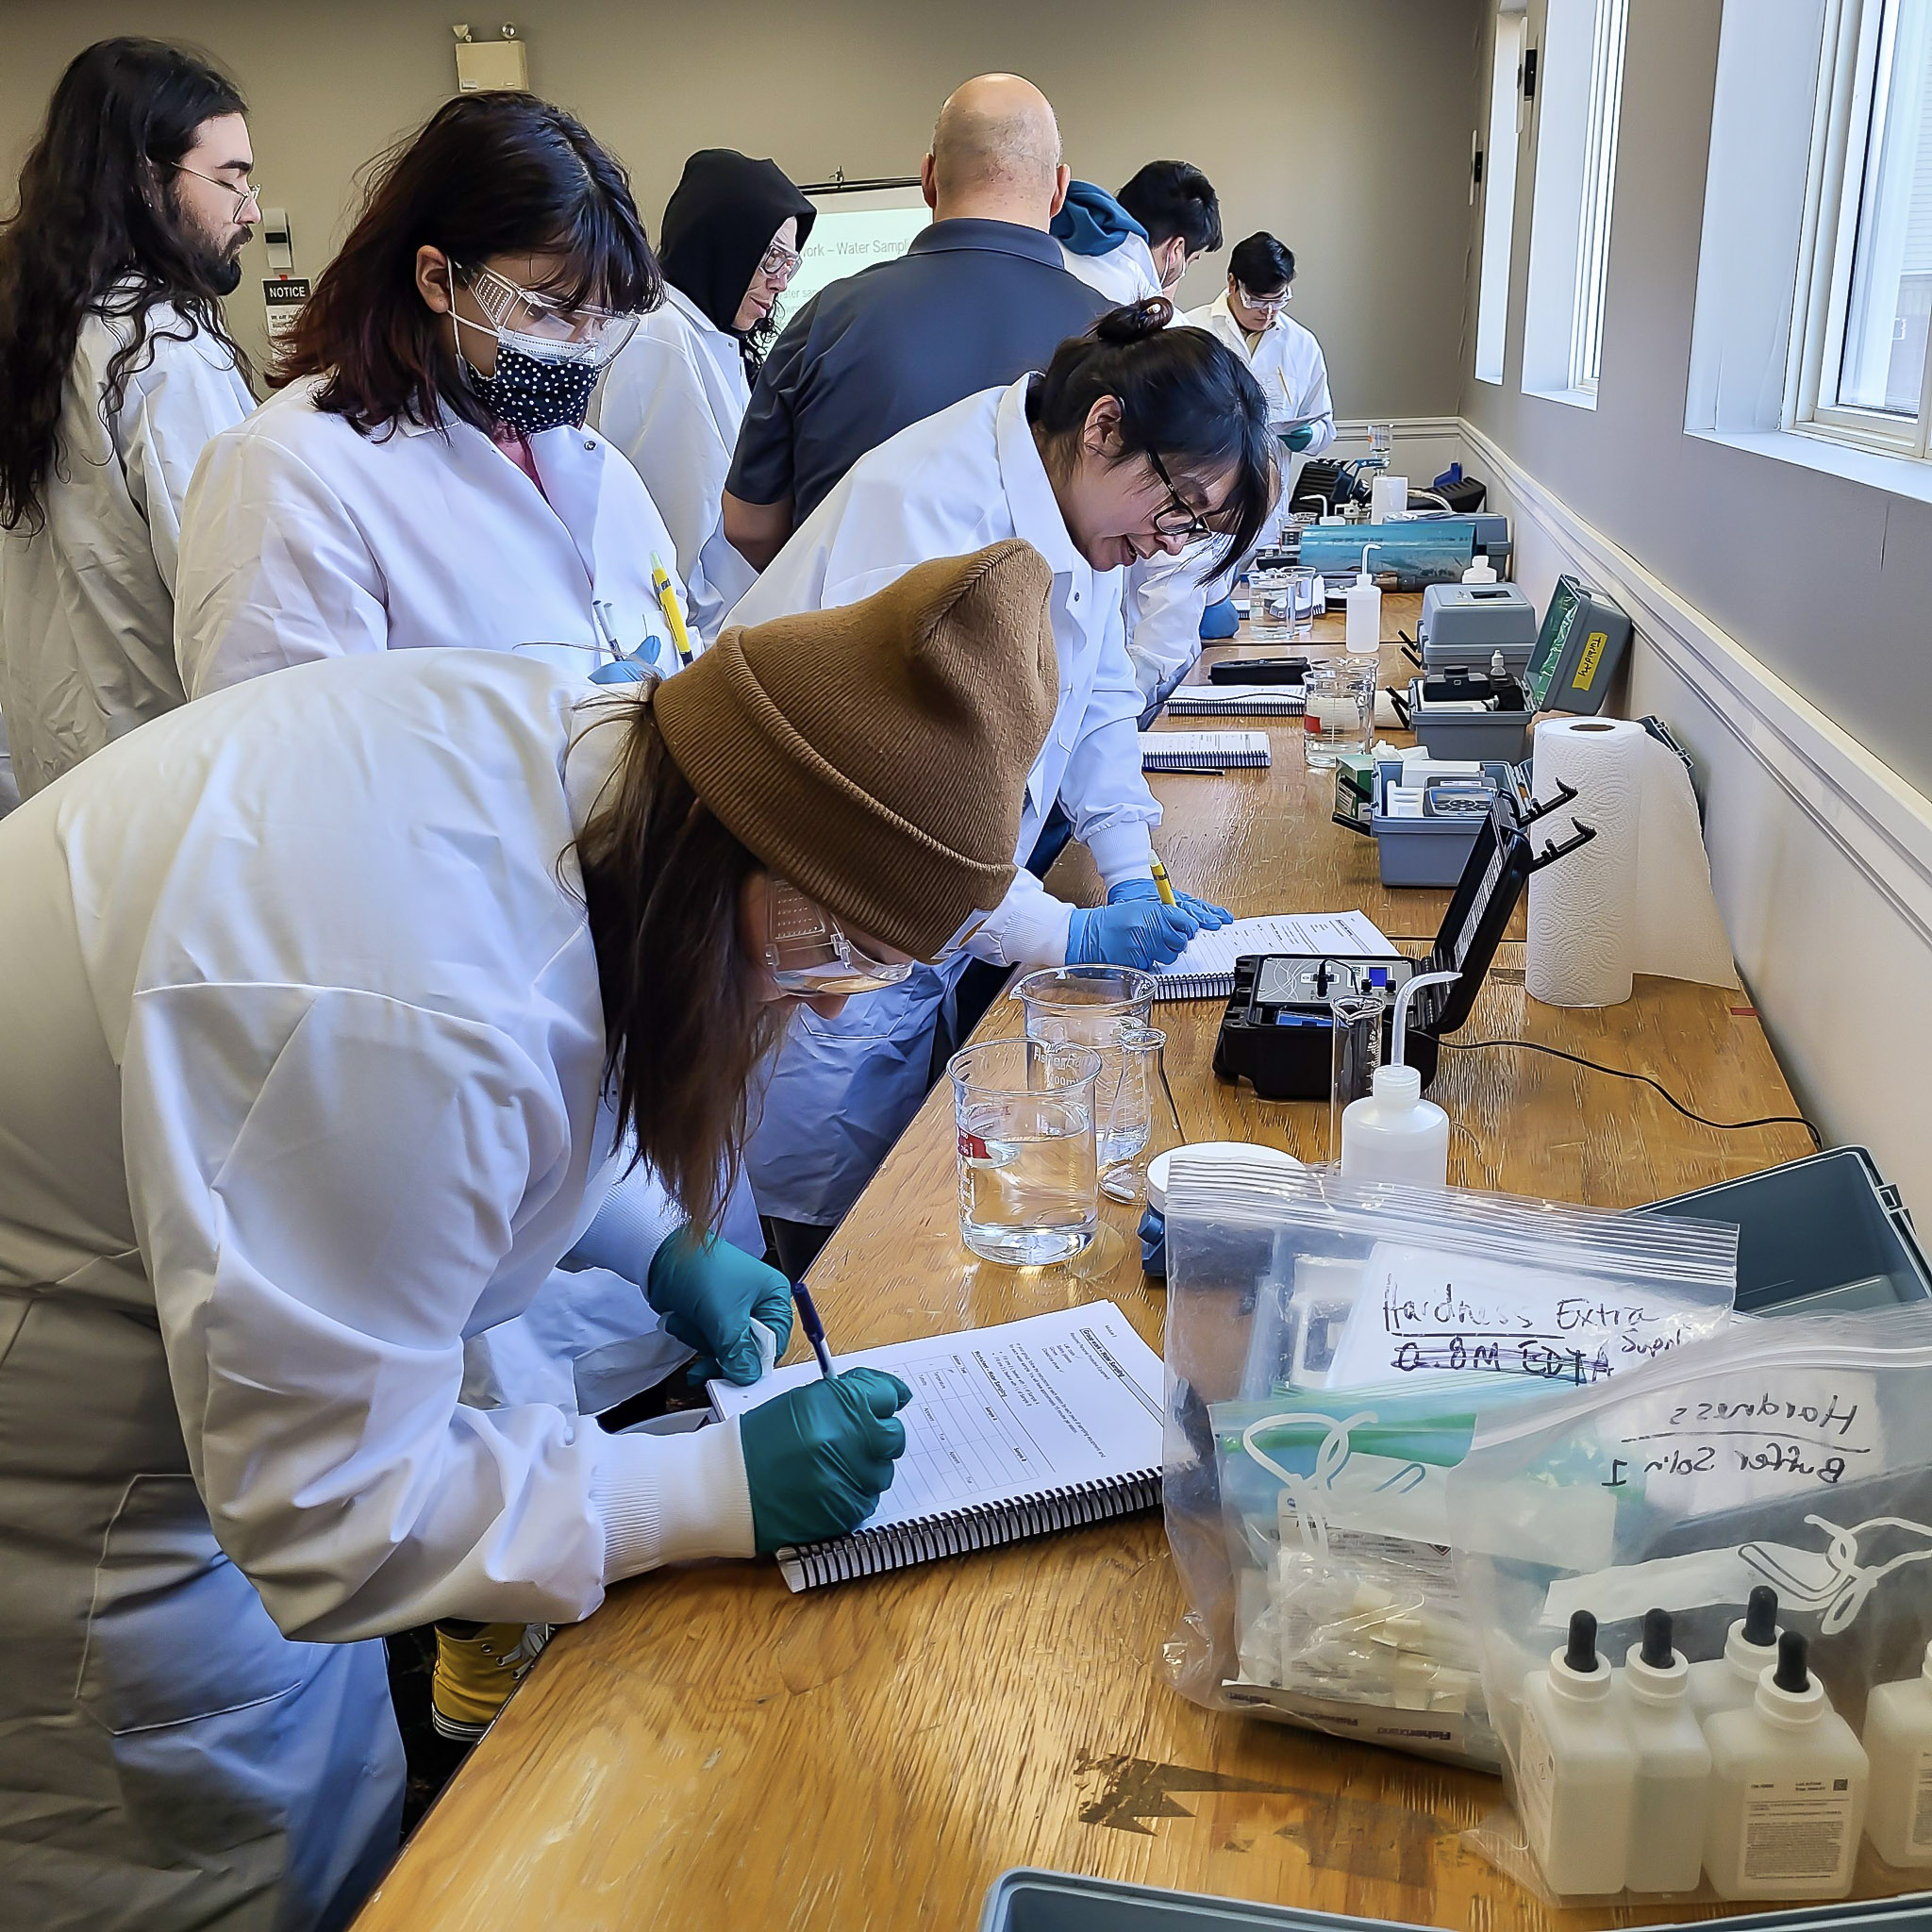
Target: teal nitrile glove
[[709, 1295], [1299, 437], [818, 1458], [1202, 911]]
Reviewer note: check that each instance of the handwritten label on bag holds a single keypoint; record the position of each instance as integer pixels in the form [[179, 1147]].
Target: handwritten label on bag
[[1724, 1442], [1423, 1312]]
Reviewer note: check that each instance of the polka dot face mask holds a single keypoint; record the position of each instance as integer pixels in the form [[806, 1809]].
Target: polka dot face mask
[[548, 357]]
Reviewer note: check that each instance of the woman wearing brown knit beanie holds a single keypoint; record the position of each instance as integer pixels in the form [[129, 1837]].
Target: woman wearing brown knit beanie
[[329, 997]]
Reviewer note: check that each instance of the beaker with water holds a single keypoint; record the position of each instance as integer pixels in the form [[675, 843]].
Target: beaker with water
[[1025, 1111], [1339, 708], [1094, 1005]]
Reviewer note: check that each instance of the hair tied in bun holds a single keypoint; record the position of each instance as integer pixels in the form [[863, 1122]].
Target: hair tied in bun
[[1135, 321]]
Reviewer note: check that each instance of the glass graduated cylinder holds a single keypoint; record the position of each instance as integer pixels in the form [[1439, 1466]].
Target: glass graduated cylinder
[[1028, 1182], [1097, 1007]]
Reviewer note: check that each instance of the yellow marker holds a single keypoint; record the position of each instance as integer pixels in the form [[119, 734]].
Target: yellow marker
[[667, 597], [1166, 890]]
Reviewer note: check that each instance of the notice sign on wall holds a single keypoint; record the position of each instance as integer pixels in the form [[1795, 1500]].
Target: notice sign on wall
[[284, 296]]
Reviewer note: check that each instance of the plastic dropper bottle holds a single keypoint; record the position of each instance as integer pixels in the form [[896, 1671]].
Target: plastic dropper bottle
[[1575, 1769], [1480, 571], [1788, 1783], [1673, 1765], [1898, 1741], [1362, 625], [1392, 1133], [1730, 1682]]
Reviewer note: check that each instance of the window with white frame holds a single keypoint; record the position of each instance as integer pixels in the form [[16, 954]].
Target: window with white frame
[[1861, 373], [1499, 197], [1581, 86]]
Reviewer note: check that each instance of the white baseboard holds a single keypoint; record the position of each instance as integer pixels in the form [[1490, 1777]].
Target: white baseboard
[[1820, 856]]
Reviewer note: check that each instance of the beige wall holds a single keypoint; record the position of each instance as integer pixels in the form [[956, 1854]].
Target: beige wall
[[1342, 128]]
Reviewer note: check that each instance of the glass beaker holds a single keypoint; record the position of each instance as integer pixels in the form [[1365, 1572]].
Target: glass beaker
[[1091, 1006], [1027, 1180], [1339, 713], [1140, 1104], [1356, 1023]]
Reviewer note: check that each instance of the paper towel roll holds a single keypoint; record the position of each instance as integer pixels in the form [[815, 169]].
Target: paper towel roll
[[1636, 898]]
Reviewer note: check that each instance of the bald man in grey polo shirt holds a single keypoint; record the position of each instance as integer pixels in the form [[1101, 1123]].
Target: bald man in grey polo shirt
[[979, 297]]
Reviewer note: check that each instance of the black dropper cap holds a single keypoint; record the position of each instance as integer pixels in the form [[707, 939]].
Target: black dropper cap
[[1760, 1617], [1656, 1651], [1581, 1655], [1792, 1674]]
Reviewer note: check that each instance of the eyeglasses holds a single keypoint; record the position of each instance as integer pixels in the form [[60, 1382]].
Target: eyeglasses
[[1268, 304], [779, 265], [1179, 519], [242, 195], [582, 334], [810, 954]]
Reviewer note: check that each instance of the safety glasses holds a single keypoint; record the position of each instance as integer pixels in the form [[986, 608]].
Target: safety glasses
[[582, 334], [244, 197], [1267, 304], [811, 957], [779, 265], [1178, 519]]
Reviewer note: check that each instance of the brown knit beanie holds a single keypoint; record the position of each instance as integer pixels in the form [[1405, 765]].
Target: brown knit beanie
[[876, 755]]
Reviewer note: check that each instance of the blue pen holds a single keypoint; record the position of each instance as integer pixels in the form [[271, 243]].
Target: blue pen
[[814, 1329]]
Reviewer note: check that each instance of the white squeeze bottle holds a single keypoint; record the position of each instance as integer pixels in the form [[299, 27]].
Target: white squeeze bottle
[[1673, 1765], [1392, 1133], [1898, 1741], [1362, 625], [1730, 1682], [1787, 1782], [1576, 1769]]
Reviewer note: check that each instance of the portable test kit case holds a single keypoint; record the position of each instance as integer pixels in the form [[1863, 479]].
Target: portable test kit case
[[1275, 1028], [1582, 642], [1030, 1900], [1466, 625], [1424, 851], [1448, 731]]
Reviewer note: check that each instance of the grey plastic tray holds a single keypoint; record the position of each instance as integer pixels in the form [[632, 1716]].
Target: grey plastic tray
[[1822, 1233], [1026, 1899], [1431, 852]]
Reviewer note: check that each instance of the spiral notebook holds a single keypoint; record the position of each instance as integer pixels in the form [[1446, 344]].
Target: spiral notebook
[[1202, 751], [1011, 1432], [1206, 970], [1235, 701]]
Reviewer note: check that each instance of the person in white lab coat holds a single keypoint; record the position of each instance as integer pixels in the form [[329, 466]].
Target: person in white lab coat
[[329, 996], [1136, 441], [1140, 243], [115, 367], [674, 397], [423, 475]]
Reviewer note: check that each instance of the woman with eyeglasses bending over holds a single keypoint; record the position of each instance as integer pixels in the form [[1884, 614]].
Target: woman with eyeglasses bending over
[[1137, 441], [423, 475], [674, 397]]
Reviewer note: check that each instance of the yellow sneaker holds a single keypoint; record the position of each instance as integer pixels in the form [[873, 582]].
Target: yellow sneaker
[[477, 1666]]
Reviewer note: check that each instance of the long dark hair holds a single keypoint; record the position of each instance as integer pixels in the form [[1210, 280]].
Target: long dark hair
[[1184, 395], [683, 1026], [490, 173], [91, 232]]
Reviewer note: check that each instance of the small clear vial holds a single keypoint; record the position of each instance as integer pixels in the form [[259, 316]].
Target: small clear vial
[[1356, 1051]]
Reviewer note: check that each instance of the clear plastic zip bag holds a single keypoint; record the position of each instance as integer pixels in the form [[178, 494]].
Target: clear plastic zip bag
[[1331, 1347], [1793, 1455]]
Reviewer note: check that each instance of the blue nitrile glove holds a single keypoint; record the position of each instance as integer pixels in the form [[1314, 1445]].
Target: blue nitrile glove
[[1136, 934], [1219, 621], [1204, 913], [1300, 436], [818, 1458], [709, 1296]]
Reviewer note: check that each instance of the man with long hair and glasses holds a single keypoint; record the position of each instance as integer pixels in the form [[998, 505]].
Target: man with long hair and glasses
[[115, 367]]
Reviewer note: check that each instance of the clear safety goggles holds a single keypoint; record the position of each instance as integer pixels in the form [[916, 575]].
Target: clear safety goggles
[[584, 334], [811, 955], [780, 264], [1266, 305]]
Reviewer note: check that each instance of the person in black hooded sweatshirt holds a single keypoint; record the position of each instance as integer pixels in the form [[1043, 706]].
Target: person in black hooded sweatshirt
[[674, 398]]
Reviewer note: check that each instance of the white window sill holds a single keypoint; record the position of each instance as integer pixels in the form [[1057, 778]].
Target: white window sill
[[1577, 398], [1901, 476]]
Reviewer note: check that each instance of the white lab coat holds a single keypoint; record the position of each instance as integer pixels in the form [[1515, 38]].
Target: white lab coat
[[87, 601], [1124, 273], [1287, 362], [673, 402], [302, 540], [302, 1079], [1165, 599], [842, 1089]]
